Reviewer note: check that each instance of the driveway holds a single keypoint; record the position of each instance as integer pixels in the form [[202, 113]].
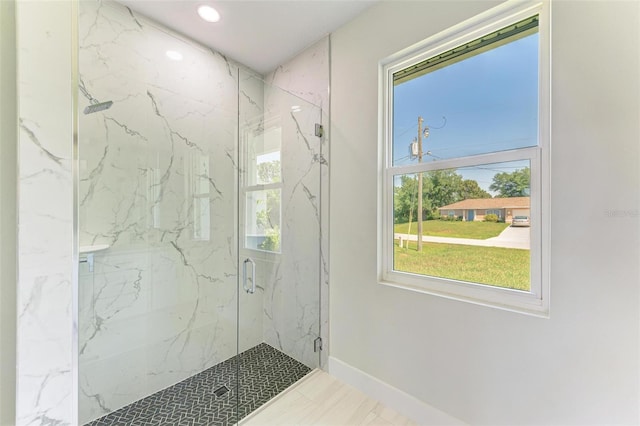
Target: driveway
[[517, 238]]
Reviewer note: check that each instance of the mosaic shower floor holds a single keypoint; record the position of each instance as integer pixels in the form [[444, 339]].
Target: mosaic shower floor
[[264, 373]]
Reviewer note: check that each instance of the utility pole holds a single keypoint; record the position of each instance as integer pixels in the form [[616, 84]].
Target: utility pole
[[419, 185]]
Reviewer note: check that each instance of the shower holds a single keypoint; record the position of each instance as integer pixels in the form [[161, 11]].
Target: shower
[[200, 215], [90, 109]]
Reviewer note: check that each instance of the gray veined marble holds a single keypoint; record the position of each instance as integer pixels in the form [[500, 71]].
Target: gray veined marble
[[157, 185], [160, 176]]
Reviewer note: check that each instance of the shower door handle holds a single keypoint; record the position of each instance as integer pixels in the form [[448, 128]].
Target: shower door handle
[[248, 289]]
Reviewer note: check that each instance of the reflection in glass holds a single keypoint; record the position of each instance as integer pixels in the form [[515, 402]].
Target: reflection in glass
[[263, 220], [200, 186]]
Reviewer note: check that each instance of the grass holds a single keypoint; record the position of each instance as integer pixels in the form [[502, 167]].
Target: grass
[[444, 228], [501, 267]]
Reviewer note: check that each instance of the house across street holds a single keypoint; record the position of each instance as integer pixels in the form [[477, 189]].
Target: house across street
[[475, 209]]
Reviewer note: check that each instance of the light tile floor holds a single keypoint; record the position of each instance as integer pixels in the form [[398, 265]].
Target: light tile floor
[[320, 399]]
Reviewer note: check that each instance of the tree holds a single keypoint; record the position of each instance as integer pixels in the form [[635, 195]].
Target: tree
[[440, 188], [405, 199], [268, 218], [269, 171], [471, 189], [514, 184], [446, 187]]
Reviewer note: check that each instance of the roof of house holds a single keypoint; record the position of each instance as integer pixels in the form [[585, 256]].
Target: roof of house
[[490, 203]]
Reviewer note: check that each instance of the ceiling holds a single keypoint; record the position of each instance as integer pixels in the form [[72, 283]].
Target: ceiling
[[260, 34]]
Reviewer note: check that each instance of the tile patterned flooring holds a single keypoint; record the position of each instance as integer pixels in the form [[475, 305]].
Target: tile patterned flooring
[[263, 370]]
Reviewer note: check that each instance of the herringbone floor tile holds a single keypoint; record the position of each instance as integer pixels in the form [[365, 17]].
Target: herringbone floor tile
[[262, 371]]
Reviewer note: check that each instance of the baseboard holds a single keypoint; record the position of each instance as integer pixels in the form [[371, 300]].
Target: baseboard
[[407, 405]]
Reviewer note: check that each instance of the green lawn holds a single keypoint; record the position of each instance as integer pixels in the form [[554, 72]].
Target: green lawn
[[445, 228], [495, 266]]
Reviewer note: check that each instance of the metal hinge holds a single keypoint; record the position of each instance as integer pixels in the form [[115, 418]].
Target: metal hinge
[[317, 344], [319, 130]]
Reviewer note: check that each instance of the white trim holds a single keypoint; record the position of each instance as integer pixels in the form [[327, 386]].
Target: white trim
[[486, 22], [536, 301], [404, 403], [472, 160]]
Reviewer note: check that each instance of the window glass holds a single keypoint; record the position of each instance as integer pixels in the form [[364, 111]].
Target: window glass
[[263, 183], [262, 225], [464, 170], [468, 231], [263, 157], [486, 102]]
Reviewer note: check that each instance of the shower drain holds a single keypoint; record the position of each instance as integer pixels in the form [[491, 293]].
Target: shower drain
[[221, 391]]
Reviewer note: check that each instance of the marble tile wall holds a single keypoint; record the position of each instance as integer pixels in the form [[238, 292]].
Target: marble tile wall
[[307, 76], [291, 301], [289, 278], [45, 325], [157, 185]]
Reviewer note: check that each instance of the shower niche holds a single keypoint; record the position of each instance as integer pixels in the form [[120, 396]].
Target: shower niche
[[199, 181]]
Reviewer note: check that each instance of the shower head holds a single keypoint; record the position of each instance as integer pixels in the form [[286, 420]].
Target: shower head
[[98, 107]]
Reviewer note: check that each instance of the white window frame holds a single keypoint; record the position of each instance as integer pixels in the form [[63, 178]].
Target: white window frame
[[535, 302]]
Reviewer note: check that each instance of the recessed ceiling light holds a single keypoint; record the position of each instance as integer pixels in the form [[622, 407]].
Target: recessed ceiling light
[[208, 13], [296, 108], [174, 55]]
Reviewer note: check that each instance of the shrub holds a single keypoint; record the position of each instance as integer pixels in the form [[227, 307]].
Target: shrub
[[272, 240], [491, 218]]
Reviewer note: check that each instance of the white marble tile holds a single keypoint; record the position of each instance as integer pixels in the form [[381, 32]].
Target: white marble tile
[[158, 184], [293, 317], [160, 303], [45, 316], [306, 75], [161, 299]]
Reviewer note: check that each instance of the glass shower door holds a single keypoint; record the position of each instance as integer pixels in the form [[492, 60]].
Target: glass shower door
[[279, 240], [157, 186]]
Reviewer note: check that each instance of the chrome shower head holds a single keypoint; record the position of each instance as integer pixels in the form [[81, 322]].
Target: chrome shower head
[[98, 107]]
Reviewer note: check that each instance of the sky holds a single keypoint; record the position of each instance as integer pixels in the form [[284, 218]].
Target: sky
[[485, 103]]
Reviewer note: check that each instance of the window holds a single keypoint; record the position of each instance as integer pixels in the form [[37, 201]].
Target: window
[[465, 144], [496, 212], [263, 189]]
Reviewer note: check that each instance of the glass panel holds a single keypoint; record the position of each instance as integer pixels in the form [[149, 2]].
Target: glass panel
[[188, 158], [485, 103], [475, 224], [262, 223], [263, 156], [280, 226], [200, 187], [158, 176]]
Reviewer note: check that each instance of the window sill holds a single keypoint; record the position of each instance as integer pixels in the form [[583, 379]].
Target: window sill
[[497, 298]]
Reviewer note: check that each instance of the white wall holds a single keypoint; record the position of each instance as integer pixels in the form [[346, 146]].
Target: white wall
[[483, 365], [8, 158]]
